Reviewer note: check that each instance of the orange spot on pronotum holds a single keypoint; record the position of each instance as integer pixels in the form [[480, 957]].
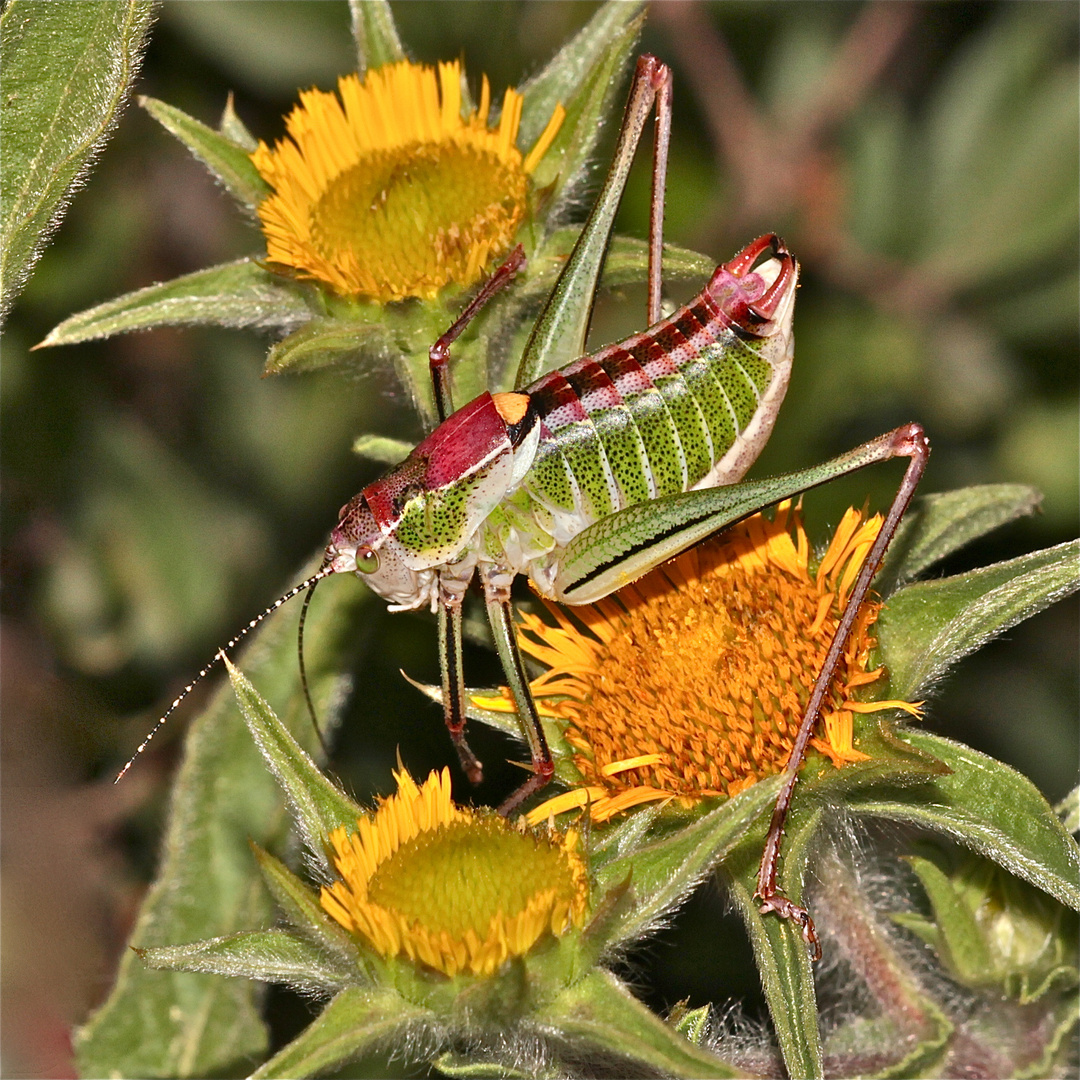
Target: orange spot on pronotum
[[511, 407]]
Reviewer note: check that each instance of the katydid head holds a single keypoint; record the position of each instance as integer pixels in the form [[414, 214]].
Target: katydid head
[[756, 289], [357, 545]]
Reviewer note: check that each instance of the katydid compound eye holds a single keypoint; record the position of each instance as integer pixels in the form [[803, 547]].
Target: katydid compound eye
[[367, 562]]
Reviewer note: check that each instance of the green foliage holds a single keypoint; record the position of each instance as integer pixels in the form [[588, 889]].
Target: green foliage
[[376, 36], [993, 931], [237, 294], [988, 806], [930, 625], [227, 158], [186, 1024], [67, 70]]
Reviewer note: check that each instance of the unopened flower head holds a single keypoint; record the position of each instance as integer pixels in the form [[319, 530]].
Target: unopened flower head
[[457, 890], [385, 190], [691, 682]]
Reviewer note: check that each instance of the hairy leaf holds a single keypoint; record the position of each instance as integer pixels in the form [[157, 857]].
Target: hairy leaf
[[325, 342], [990, 808], [564, 78], [301, 907], [266, 955], [356, 1020], [318, 806], [600, 1011], [67, 69], [229, 161], [666, 870], [955, 929], [375, 34], [234, 129], [208, 885], [237, 294], [939, 524], [927, 627], [910, 1033]]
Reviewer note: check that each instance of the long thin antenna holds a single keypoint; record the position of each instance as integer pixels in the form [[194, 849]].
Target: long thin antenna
[[323, 572], [303, 666]]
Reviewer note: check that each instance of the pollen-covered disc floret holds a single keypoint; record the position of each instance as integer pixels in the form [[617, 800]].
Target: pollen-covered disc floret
[[457, 890], [691, 682], [385, 190]]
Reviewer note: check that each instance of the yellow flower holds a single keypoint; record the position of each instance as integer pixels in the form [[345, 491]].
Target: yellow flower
[[691, 682], [456, 889], [385, 190]]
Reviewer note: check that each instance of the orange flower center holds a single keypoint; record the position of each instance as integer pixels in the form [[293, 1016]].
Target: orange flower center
[[712, 678]]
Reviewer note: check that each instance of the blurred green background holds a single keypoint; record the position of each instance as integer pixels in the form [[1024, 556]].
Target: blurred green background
[[921, 160]]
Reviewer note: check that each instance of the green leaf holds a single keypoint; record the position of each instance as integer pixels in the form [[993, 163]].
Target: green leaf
[[237, 294], [599, 1011], [990, 808], [891, 761], [927, 627], [956, 933], [229, 161], [577, 64], [559, 333], [266, 955], [67, 69], [318, 806], [665, 871], [325, 342], [624, 836], [375, 34], [302, 908], [939, 524], [184, 1024], [692, 1024], [356, 1020], [779, 950], [383, 450], [995, 932]]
